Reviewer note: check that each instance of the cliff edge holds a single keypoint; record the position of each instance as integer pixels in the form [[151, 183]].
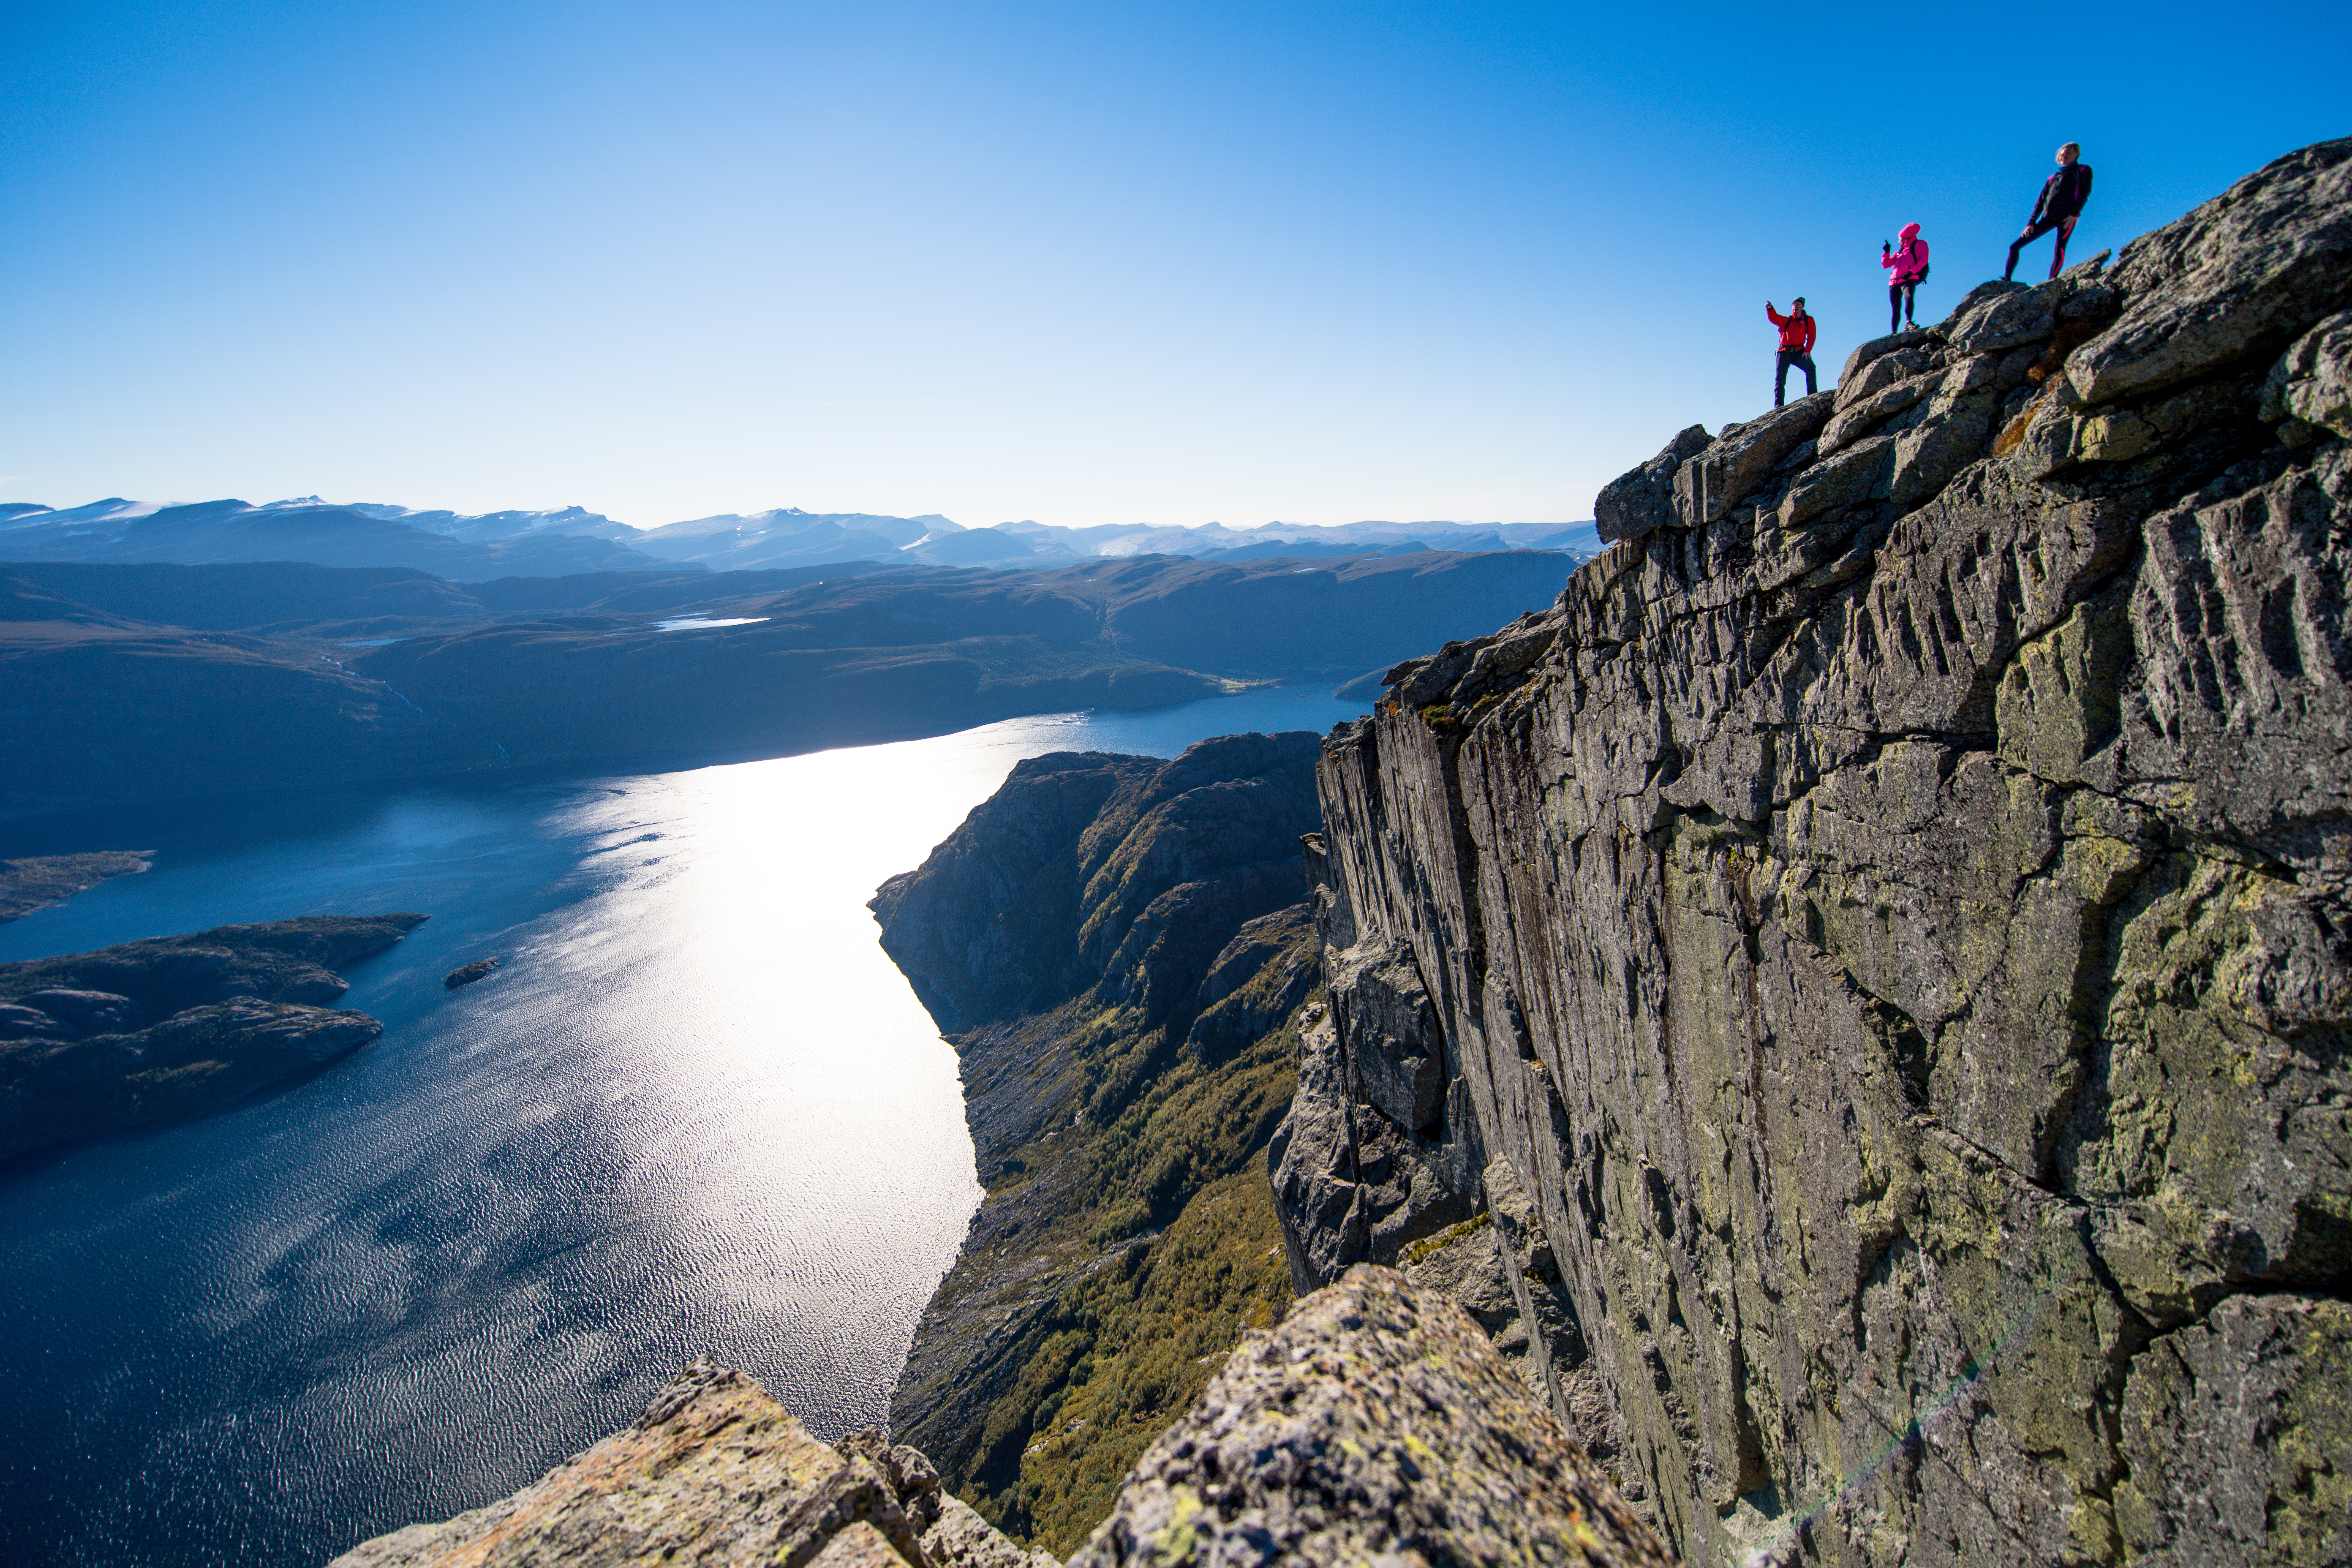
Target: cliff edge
[[1879, 949]]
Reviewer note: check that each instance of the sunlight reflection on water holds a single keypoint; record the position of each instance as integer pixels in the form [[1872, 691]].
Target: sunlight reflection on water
[[698, 1107]]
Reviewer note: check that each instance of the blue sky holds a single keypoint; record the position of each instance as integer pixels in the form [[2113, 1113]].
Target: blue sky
[[1080, 263]]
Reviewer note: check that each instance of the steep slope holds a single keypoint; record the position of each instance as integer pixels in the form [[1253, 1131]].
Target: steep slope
[[1115, 947], [1879, 946]]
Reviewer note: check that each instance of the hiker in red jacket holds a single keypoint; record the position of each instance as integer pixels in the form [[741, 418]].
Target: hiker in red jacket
[[1796, 348], [1909, 265], [2063, 197]]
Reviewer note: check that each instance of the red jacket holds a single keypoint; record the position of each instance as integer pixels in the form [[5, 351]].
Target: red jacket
[[1795, 331]]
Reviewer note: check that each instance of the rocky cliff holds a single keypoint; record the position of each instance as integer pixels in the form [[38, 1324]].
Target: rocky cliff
[[173, 1027], [1116, 948], [1878, 952]]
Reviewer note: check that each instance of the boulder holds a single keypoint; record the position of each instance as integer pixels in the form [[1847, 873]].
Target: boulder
[[1863, 473], [1855, 419], [1882, 361], [2241, 276], [1643, 499], [1735, 462]]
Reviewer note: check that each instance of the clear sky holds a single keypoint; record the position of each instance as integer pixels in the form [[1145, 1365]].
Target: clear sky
[[1083, 263]]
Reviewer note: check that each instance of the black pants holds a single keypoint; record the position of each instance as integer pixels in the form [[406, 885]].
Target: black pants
[[2065, 227], [1803, 361], [1899, 298]]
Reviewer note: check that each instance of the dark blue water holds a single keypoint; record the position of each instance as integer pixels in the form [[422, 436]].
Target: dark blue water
[[696, 1110]]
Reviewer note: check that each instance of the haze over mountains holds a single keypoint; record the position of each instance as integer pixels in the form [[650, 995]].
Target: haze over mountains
[[570, 540], [141, 680]]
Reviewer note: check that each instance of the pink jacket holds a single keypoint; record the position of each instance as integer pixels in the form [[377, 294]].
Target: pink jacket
[[1909, 259]]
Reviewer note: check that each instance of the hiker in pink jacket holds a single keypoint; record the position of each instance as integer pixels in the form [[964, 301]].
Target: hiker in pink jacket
[[1909, 265]]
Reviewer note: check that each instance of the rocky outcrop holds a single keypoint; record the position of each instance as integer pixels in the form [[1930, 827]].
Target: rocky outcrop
[[1879, 949], [1115, 948], [715, 1472], [1376, 1425], [466, 974], [175, 1027]]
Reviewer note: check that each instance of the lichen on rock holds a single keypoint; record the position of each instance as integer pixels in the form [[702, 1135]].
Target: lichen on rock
[[1376, 1425], [1888, 959]]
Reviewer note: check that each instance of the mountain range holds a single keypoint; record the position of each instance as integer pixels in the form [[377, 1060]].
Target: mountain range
[[156, 679], [570, 540]]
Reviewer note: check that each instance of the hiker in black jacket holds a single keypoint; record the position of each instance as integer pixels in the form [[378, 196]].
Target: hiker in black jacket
[[2064, 195]]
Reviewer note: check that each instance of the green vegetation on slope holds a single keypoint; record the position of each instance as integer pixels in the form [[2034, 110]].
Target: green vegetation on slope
[[1137, 1344], [1143, 1313]]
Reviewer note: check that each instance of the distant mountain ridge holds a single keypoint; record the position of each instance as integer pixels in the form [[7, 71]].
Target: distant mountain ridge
[[570, 540], [151, 679], [222, 531]]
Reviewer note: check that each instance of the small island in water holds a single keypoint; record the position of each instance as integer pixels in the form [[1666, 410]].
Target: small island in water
[[178, 1027]]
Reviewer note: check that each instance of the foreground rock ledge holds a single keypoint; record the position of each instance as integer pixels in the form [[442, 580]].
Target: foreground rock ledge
[[1377, 1423]]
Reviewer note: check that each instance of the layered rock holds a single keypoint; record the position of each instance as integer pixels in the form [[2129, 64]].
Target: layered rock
[[1878, 948], [174, 1028]]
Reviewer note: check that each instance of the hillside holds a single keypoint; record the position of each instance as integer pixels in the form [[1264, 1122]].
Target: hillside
[[153, 680], [1114, 945]]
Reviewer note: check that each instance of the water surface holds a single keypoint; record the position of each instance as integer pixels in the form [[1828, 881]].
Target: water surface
[[696, 1109]]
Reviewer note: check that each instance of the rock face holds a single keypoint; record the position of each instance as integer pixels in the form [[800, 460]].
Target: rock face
[[1376, 1425], [1088, 868], [1117, 949], [1879, 949], [174, 1028]]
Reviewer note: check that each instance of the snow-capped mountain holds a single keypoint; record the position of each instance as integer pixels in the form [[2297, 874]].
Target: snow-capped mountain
[[559, 541]]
